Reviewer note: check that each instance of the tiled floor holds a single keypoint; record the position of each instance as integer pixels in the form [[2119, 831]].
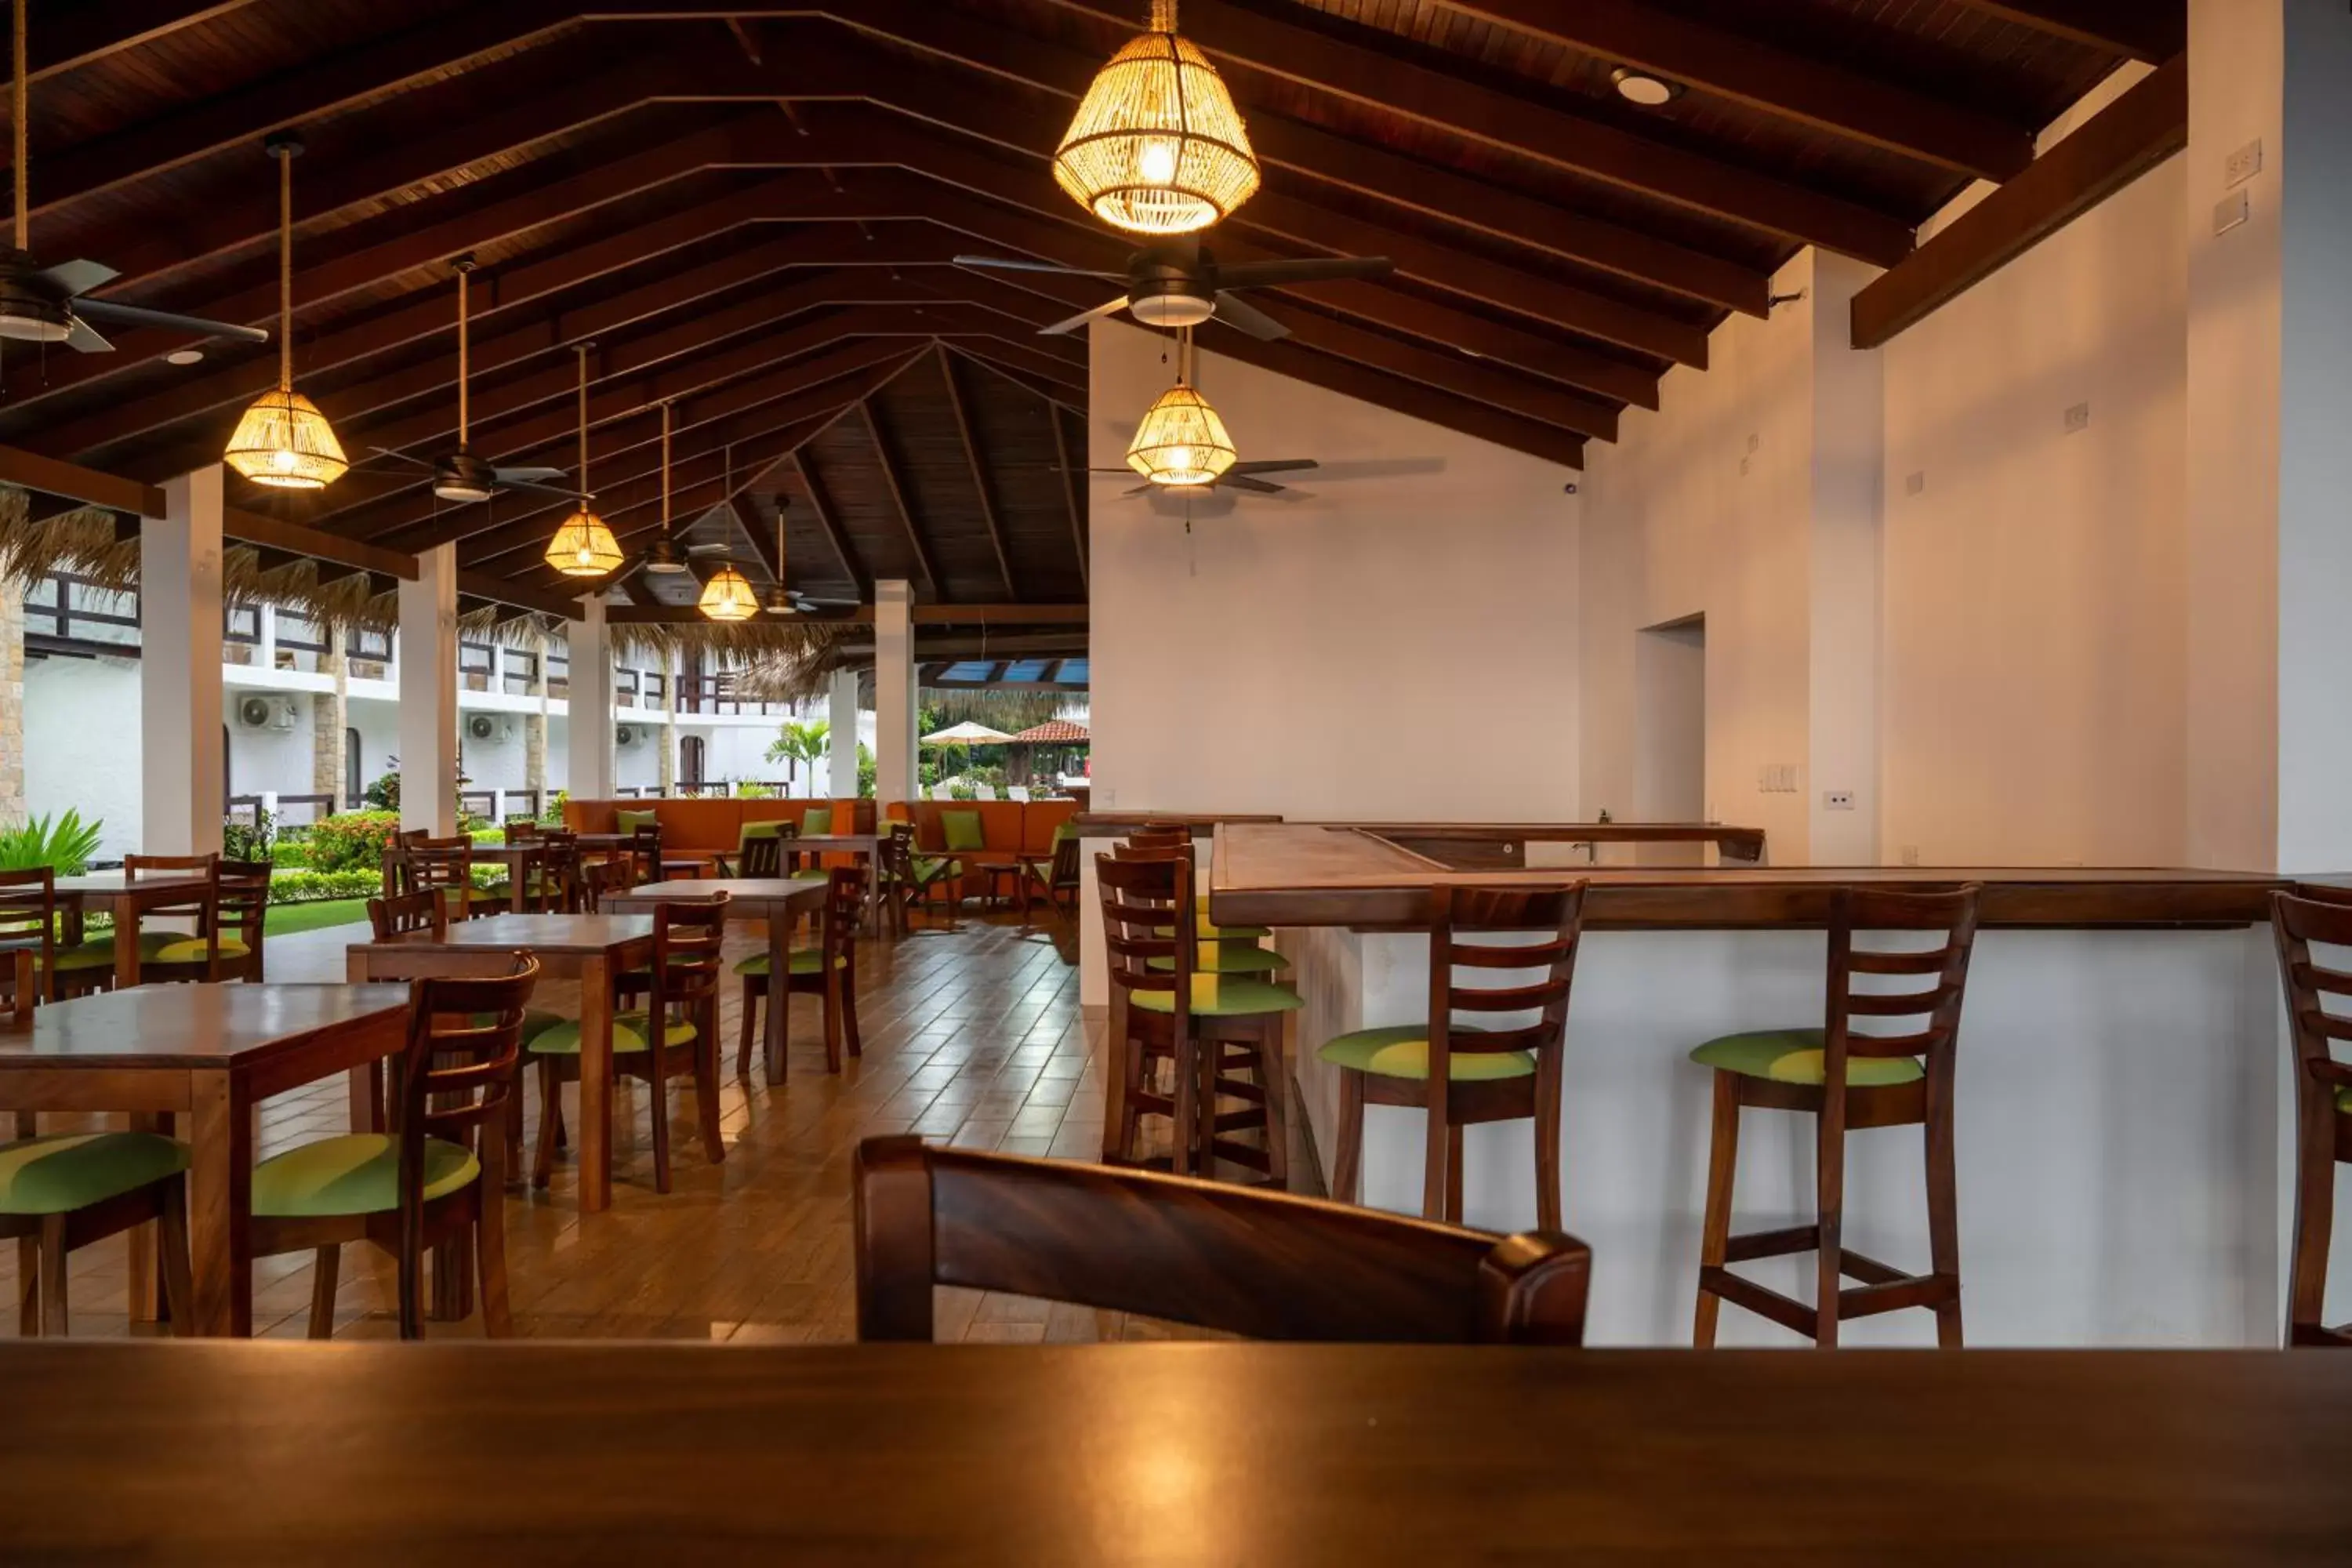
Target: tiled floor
[[972, 1034]]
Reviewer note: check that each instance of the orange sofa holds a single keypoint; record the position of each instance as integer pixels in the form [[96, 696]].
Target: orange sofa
[[696, 828], [1008, 827]]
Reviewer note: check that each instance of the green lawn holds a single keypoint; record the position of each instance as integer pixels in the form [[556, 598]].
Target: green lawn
[[288, 917]]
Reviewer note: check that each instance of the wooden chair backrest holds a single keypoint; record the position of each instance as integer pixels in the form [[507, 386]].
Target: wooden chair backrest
[[203, 908], [845, 908], [245, 899], [1063, 873], [2322, 915], [686, 965], [644, 852], [606, 877], [1557, 913], [761, 857], [523, 830], [28, 914], [1141, 898], [1263, 1265], [559, 865], [441, 863], [405, 912], [1944, 969], [896, 851]]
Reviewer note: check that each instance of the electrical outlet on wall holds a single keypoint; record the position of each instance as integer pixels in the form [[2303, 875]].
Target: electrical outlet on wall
[[1916, 484], [2243, 164], [2078, 418], [1910, 853], [1837, 800]]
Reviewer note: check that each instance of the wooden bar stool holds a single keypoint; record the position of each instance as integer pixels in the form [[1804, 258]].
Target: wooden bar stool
[[1212, 1029], [2322, 1096], [1463, 1075], [1845, 1079]]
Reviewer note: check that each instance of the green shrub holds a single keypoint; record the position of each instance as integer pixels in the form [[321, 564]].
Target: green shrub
[[353, 841], [553, 815], [385, 793], [249, 841], [291, 854], [487, 834], [316, 886], [64, 844], [748, 790]]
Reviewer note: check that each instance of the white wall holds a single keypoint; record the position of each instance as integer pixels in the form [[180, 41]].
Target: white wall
[[81, 745], [1402, 645], [2036, 590]]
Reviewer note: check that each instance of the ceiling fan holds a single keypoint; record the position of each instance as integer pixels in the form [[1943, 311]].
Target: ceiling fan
[[1240, 476], [460, 475], [782, 600], [1180, 283], [44, 304]]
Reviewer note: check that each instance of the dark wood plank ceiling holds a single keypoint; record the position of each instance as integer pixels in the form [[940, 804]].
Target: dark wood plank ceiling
[[750, 211]]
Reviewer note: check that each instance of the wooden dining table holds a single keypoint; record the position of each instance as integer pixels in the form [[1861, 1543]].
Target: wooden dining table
[[589, 948], [210, 1053], [779, 900], [521, 860], [114, 893], [1173, 1454]]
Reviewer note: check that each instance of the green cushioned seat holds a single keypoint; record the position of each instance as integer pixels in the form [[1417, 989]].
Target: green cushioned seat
[[801, 961], [817, 822], [630, 821], [1223, 996], [1795, 1055], [1230, 958], [2343, 1100], [809, 874], [1209, 931], [67, 1170], [358, 1173], [562, 1038], [98, 953], [962, 830], [1401, 1050], [195, 950], [534, 1022], [931, 871], [752, 830]]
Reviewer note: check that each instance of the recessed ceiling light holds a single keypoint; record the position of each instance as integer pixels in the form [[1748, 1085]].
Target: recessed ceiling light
[[1640, 87], [185, 356]]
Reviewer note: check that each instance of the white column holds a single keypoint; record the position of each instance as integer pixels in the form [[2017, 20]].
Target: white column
[[588, 730], [181, 744], [841, 716], [894, 692], [428, 694], [1849, 449], [265, 618], [2270, 395]]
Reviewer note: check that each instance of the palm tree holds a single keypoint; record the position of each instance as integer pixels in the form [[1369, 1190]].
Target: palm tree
[[800, 740]]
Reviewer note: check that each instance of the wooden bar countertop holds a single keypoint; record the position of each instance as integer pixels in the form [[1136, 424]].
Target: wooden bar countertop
[[1310, 874]]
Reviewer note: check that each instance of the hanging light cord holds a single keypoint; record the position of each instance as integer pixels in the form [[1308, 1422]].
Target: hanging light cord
[[582, 352], [20, 128], [465, 271], [285, 265], [666, 533]]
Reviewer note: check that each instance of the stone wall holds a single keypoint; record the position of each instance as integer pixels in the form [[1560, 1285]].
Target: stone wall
[[328, 722], [12, 705]]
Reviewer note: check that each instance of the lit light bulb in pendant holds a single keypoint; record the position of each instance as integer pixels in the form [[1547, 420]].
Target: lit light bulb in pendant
[[1158, 162]]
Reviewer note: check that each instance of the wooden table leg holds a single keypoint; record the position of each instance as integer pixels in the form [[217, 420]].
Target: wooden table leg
[[595, 1131], [780, 947], [220, 1200], [126, 943], [366, 1087], [144, 1284], [1115, 1082]]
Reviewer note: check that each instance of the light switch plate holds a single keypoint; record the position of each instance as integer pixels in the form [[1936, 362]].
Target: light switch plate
[[2243, 164], [2230, 211]]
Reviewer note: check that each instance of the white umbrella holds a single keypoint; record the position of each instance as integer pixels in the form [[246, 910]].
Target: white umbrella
[[968, 734]]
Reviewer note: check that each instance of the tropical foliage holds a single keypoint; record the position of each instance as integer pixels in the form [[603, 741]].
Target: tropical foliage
[[353, 841], [313, 886], [800, 740], [249, 841], [64, 844]]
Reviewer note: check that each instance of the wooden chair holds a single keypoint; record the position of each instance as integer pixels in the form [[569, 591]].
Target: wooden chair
[[677, 1034], [445, 867], [558, 871], [406, 914], [829, 970], [28, 923], [2322, 1095], [909, 879], [1057, 882], [601, 876], [229, 945], [1462, 1075], [755, 834], [1847, 1080], [436, 1177], [1266, 1265], [61, 1192], [1210, 1028], [643, 854], [761, 857], [399, 869], [201, 911]]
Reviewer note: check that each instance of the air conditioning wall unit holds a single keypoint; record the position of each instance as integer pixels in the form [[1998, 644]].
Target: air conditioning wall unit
[[255, 712], [625, 735], [484, 727]]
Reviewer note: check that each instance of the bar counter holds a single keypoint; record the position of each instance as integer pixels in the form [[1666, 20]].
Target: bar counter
[[2121, 1075]]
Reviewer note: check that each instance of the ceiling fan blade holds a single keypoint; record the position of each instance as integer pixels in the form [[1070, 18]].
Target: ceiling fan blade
[[1243, 316], [404, 457], [1272, 466], [1144, 489], [1233, 481], [1307, 269], [81, 335], [1082, 318], [72, 277], [525, 475], [137, 316], [505, 483], [1009, 264]]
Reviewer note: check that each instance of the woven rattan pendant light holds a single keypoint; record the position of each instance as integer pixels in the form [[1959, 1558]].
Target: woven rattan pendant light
[[584, 546], [727, 597], [1180, 440], [284, 441], [1156, 146]]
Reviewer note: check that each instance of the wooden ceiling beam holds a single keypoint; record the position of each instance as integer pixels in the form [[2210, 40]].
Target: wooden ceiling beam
[[828, 519], [1075, 508], [2132, 135], [891, 481], [1313, 58], [2149, 30], [1793, 86], [66, 37], [1309, 149], [1015, 615], [980, 485], [521, 595]]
